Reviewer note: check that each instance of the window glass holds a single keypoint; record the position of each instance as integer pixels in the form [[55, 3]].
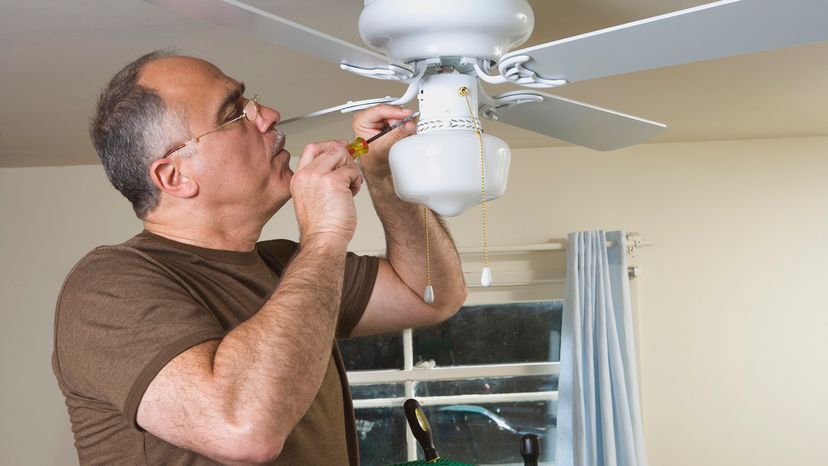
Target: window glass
[[476, 433], [493, 334], [381, 433], [372, 352], [490, 433], [382, 390]]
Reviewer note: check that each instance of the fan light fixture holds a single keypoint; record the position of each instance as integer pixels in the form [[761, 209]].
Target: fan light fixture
[[441, 166], [450, 164]]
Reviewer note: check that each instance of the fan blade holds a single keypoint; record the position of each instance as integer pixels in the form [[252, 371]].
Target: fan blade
[[571, 121], [300, 124], [280, 31], [714, 30]]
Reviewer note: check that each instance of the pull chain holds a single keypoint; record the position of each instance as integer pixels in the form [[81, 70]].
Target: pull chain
[[486, 275], [428, 294]]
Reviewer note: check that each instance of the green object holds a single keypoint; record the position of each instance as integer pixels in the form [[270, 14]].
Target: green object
[[421, 429], [438, 462]]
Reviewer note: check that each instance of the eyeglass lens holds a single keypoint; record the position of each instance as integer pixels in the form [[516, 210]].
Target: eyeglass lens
[[251, 110]]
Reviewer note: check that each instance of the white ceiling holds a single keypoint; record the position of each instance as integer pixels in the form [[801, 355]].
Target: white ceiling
[[56, 55]]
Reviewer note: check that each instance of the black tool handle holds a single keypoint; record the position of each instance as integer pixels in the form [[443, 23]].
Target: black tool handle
[[420, 428], [530, 449]]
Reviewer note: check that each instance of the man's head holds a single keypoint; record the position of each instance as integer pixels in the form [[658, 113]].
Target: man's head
[[130, 125], [161, 101]]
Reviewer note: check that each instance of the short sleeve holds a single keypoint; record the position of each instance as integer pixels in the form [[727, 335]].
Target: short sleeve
[[360, 277], [120, 319]]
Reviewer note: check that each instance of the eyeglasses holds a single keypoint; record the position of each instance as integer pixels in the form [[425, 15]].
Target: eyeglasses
[[250, 111]]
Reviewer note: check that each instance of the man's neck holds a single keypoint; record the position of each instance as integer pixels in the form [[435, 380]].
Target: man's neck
[[232, 228], [230, 238]]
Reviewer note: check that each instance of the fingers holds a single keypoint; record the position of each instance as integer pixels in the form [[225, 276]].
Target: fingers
[[331, 156], [378, 117], [328, 154], [383, 112], [323, 187], [354, 174]]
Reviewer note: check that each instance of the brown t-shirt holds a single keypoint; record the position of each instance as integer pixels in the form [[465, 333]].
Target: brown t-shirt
[[125, 311]]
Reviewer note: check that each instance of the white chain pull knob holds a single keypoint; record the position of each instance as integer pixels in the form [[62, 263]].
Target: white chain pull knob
[[486, 277], [428, 295]]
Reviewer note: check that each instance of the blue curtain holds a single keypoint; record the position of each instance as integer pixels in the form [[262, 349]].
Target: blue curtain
[[599, 415]]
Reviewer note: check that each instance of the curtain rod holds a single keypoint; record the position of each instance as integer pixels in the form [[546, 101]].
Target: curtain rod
[[634, 242]]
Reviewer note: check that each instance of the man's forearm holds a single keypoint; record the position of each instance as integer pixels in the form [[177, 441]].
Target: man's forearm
[[403, 223], [274, 363]]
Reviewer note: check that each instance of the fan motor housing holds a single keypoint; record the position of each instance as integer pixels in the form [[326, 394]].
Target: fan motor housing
[[413, 30]]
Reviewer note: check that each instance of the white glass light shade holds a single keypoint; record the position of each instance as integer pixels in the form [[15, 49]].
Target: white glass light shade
[[441, 169]]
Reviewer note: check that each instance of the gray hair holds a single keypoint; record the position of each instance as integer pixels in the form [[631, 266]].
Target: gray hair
[[131, 129]]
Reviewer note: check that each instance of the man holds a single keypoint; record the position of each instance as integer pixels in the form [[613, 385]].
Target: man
[[193, 343]]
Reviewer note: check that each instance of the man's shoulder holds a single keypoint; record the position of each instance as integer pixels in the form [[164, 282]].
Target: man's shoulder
[[108, 257]]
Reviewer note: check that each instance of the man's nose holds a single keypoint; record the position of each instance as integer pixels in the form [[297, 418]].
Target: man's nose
[[268, 117]]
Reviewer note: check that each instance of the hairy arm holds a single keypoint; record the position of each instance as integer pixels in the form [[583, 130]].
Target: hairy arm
[[237, 399], [397, 301]]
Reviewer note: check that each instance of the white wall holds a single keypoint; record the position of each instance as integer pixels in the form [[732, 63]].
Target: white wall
[[49, 217], [733, 313]]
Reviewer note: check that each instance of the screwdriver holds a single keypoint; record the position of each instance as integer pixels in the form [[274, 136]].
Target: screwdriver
[[359, 147]]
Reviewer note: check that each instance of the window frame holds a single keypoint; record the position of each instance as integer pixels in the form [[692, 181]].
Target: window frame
[[519, 279], [411, 374]]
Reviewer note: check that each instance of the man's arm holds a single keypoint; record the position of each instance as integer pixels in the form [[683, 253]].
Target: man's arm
[[397, 300], [237, 399]]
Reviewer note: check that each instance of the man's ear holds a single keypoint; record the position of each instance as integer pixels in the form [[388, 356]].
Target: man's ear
[[167, 176]]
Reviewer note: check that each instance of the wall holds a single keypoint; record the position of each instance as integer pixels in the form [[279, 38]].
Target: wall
[[732, 316]]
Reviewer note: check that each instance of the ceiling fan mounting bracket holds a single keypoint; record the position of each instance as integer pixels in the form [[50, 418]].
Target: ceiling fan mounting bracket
[[413, 87], [513, 71], [390, 73], [447, 64], [491, 79], [489, 109]]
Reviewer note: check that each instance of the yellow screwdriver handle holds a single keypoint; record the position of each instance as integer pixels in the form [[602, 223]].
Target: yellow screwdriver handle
[[358, 148]]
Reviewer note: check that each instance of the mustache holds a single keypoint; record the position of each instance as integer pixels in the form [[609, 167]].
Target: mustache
[[279, 144]]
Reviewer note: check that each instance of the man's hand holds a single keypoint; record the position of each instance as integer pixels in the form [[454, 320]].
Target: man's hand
[[371, 121], [323, 187]]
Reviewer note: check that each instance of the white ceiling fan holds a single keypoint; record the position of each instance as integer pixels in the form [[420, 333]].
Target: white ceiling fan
[[439, 47]]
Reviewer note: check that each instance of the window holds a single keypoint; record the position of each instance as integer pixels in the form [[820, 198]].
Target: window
[[485, 377]]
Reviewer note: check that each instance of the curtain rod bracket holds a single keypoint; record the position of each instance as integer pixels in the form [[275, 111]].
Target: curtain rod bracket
[[634, 242]]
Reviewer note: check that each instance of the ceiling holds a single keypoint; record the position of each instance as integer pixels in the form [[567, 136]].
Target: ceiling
[[56, 55]]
